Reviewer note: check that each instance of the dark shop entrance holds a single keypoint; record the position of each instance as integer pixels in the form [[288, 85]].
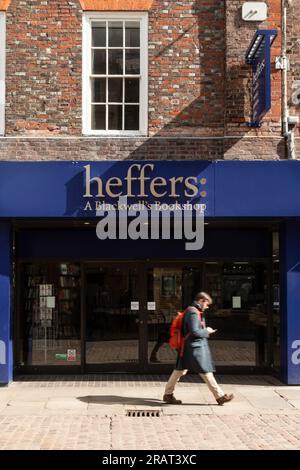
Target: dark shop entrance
[[75, 313]]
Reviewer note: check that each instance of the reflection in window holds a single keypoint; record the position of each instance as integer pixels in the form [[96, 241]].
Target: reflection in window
[[116, 75], [50, 314]]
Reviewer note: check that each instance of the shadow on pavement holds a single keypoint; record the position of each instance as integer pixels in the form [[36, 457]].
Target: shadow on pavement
[[118, 400]]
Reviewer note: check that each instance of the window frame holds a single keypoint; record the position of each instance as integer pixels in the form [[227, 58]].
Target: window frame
[[2, 71], [87, 19]]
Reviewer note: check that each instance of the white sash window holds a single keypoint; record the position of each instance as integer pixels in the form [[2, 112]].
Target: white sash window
[[115, 73]]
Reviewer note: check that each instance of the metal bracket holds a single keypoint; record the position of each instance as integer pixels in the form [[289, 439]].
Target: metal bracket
[[254, 124]]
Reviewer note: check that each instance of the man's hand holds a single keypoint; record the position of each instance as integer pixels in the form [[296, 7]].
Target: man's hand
[[210, 330]]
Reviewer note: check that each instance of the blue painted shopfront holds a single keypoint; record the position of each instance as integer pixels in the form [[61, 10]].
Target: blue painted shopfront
[[229, 190]]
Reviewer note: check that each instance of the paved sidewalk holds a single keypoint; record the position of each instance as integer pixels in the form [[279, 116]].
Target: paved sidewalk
[[91, 412]]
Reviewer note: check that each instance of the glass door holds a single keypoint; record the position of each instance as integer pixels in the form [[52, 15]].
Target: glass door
[[240, 311], [112, 311], [170, 289], [164, 299]]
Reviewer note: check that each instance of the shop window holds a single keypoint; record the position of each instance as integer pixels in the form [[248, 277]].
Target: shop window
[[239, 312], [50, 314], [276, 301], [2, 73], [243, 286], [115, 73]]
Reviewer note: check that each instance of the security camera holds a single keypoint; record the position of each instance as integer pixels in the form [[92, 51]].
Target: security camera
[[293, 120]]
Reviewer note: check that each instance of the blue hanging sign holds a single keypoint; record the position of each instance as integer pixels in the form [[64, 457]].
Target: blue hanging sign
[[259, 56]]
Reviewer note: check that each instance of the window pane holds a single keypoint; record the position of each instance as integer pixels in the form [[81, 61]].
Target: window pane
[[115, 117], [132, 61], [132, 34], [50, 336], [132, 90], [132, 118], [99, 35], [115, 34], [109, 320], [98, 116], [99, 62], [98, 90], [115, 62], [115, 90]]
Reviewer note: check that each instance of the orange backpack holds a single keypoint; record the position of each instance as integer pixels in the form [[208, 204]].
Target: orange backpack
[[177, 339]]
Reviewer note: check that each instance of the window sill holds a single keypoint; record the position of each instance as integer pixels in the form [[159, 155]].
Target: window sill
[[113, 134]]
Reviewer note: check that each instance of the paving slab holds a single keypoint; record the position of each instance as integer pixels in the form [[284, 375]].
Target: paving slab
[[187, 410], [65, 403], [295, 404], [90, 413], [38, 404], [2, 406], [293, 394], [22, 412]]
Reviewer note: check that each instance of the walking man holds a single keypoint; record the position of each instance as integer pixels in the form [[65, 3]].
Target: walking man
[[196, 352]]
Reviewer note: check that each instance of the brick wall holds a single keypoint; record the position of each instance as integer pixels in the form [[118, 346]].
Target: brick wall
[[199, 85], [293, 47], [43, 86], [186, 67], [238, 74], [155, 148]]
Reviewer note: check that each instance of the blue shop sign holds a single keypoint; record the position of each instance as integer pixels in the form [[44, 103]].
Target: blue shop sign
[[80, 189], [259, 56], [224, 188]]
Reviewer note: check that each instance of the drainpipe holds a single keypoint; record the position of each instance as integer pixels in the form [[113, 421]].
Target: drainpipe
[[287, 122], [285, 126]]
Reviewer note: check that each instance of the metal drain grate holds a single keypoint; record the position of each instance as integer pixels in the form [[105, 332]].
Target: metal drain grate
[[143, 413]]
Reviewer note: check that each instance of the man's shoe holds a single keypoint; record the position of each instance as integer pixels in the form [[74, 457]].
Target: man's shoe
[[225, 398], [171, 400]]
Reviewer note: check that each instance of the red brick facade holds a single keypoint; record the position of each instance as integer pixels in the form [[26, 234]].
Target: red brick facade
[[293, 46], [199, 84], [238, 74], [43, 68], [116, 5], [4, 4]]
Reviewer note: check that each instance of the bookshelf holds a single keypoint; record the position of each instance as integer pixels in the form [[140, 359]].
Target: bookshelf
[[68, 300], [50, 300]]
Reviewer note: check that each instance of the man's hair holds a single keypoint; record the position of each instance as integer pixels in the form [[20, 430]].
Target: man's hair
[[203, 296]]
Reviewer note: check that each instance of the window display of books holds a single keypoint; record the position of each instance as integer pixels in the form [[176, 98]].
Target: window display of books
[[51, 300], [68, 299]]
